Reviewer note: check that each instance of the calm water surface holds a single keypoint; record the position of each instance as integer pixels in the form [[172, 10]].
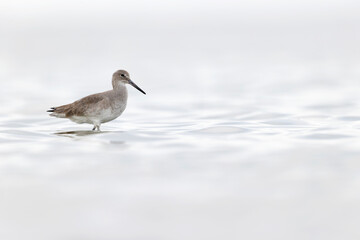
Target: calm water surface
[[206, 167]]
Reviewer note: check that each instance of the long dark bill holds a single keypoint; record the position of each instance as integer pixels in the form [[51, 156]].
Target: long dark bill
[[135, 86]]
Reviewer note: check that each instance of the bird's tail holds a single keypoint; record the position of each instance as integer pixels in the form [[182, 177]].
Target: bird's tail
[[59, 112]]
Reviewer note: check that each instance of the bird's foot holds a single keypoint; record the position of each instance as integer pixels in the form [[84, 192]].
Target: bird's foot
[[96, 127]]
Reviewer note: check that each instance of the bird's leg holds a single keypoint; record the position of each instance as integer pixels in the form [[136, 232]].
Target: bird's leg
[[96, 127]]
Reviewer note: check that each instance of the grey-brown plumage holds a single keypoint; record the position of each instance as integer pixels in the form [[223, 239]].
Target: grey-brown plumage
[[101, 107]]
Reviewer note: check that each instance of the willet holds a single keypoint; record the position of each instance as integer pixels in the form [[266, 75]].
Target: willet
[[101, 107]]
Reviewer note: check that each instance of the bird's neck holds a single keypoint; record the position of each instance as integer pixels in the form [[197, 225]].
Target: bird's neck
[[119, 89], [118, 86]]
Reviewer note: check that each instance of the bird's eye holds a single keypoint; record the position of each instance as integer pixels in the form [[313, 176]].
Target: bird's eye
[[123, 75]]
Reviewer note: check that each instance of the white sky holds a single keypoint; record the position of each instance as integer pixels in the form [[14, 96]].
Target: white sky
[[38, 35]]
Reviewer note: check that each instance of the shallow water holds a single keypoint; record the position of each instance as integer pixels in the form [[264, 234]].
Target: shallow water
[[215, 170]]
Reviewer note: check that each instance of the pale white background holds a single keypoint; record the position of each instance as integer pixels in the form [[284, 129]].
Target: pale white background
[[249, 129]]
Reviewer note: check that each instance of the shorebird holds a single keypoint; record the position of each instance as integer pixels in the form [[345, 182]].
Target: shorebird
[[100, 107]]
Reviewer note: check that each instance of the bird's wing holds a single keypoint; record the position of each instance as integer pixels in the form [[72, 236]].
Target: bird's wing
[[80, 107]]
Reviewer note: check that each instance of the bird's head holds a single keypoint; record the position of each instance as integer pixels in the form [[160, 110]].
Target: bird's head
[[124, 77]]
